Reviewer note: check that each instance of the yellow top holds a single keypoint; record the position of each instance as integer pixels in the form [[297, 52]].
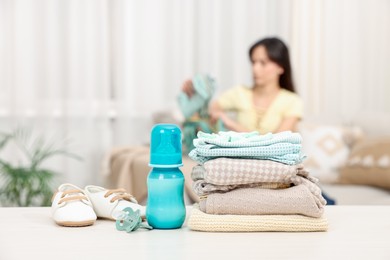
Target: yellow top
[[240, 100]]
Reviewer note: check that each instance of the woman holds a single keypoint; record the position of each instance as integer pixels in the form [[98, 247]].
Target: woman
[[271, 104]]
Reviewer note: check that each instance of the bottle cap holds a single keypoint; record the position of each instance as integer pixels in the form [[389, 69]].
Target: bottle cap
[[165, 146]]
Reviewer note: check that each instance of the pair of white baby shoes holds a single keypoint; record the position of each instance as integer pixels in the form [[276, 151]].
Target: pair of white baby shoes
[[74, 207]]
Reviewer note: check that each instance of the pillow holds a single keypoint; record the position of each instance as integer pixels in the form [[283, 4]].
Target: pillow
[[368, 164], [327, 148]]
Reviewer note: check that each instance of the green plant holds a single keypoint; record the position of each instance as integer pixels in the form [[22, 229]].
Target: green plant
[[29, 184]]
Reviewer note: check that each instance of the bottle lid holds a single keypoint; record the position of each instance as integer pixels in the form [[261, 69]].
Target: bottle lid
[[165, 146]]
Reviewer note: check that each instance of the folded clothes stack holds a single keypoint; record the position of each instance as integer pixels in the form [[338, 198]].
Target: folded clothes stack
[[253, 182]]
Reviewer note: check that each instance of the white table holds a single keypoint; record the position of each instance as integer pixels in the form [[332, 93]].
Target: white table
[[355, 232]]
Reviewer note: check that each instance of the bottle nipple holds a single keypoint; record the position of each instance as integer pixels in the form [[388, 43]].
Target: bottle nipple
[[165, 146]]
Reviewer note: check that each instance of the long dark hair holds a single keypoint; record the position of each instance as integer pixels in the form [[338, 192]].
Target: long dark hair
[[277, 52]]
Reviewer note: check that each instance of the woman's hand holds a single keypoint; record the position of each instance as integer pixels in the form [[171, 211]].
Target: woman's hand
[[288, 124], [188, 88], [231, 124], [217, 113]]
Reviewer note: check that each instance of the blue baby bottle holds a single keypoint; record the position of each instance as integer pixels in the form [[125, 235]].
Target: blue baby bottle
[[165, 205]]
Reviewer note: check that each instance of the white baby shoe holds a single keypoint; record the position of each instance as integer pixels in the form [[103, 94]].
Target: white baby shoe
[[71, 208], [107, 203]]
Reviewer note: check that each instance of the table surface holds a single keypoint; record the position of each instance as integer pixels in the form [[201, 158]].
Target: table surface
[[355, 232]]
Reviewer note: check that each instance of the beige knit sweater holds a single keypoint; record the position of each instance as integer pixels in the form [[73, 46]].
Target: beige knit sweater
[[201, 221], [259, 201]]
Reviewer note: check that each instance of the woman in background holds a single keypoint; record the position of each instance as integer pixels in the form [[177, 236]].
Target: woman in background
[[270, 105]]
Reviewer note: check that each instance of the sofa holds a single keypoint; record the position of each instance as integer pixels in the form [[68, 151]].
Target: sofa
[[352, 169]]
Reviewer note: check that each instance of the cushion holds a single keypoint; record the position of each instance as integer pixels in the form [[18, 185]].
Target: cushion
[[327, 148], [368, 164]]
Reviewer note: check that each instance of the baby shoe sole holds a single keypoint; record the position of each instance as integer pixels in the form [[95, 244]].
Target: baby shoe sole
[[76, 224]]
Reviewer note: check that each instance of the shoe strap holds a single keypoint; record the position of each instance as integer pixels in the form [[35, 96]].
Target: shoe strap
[[72, 197], [121, 194]]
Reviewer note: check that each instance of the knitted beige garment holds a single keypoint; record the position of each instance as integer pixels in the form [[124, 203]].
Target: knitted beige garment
[[202, 188], [201, 221], [258, 201]]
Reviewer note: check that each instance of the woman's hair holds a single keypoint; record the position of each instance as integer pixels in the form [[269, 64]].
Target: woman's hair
[[277, 52]]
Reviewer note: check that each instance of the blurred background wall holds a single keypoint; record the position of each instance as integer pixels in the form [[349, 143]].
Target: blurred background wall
[[96, 71]]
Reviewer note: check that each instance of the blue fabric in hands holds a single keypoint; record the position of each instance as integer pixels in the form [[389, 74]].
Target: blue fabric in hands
[[204, 88]]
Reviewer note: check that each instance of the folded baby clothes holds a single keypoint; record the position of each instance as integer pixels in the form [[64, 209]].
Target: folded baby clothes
[[230, 171], [257, 201], [240, 173], [202, 188], [201, 221], [234, 139], [283, 147]]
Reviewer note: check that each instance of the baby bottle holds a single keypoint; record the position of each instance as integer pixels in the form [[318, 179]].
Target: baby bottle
[[165, 205]]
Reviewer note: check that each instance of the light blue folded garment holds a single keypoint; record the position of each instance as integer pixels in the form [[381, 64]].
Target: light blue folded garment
[[282, 147], [231, 139]]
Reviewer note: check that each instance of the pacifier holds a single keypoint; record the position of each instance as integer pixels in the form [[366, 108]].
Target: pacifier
[[129, 220]]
